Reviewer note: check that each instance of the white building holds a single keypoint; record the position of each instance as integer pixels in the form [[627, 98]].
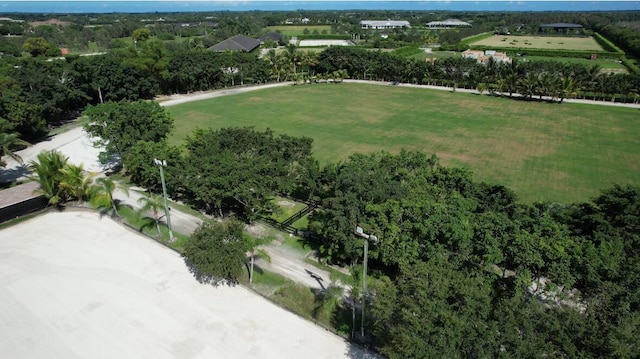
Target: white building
[[384, 24], [447, 24], [481, 56]]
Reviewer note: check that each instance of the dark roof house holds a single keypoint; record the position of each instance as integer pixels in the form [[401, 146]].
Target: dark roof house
[[236, 43], [273, 36], [561, 27]]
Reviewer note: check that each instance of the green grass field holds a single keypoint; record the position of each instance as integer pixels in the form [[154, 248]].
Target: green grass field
[[605, 64], [298, 30], [542, 42], [554, 152]]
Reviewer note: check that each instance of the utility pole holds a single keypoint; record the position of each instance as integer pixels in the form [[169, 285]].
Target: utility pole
[[163, 164], [367, 237]]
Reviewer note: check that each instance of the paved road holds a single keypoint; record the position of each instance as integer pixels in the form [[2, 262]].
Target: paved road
[[180, 222]]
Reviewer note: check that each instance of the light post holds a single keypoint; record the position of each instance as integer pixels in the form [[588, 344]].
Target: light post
[[367, 238], [163, 164]]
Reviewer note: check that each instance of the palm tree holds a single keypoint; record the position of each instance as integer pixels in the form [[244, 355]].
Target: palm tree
[[294, 57], [482, 87], [527, 85], [102, 196], [74, 183], [153, 204], [567, 88], [7, 142], [278, 63], [253, 245], [47, 172]]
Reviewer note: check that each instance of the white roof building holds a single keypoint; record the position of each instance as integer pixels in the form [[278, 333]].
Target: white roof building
[[448, 23], [384, 24]]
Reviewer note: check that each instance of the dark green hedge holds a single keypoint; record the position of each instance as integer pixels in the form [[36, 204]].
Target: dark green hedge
[[407, 51], [606, 44]]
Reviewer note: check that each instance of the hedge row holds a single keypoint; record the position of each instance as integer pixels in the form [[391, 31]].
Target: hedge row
[[606, 44], [553, 52], [324, 37], [631, 66], [475, 38], [407, 51]]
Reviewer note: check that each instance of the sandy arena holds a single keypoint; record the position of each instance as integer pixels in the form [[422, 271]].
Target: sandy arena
[[74, 285]]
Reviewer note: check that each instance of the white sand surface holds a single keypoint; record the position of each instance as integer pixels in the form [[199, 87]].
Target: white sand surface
[[73, 285], [75, 144]]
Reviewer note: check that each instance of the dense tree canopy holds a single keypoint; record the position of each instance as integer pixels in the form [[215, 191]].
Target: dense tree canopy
[[241, 169], [216, 252], [120, 125], [474, 273]]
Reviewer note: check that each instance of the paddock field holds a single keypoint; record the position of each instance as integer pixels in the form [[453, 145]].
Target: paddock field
[[552, 152], [542, 42], [298, 30]]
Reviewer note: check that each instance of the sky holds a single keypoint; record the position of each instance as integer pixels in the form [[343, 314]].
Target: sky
[[78, 6]]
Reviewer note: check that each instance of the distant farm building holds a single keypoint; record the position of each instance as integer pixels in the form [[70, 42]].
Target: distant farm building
[[483, 56], [270, 36], [561, 27], [236, 43], [448, 23], [384, 24]]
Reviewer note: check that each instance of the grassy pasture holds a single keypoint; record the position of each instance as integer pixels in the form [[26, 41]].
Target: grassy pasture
[[556, 152], [298, 30], [542, 42], [605, 64]]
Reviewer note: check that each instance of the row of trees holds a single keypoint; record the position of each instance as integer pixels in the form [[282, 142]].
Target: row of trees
[[550, 79]]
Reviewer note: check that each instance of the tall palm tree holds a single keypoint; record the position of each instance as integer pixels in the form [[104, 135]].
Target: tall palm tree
[[47, 172], [294, 57], [527, 85], [75, 183], [253, 247], [567, 88], [7, 142], [101, 196], [278, 62], [153, 204]]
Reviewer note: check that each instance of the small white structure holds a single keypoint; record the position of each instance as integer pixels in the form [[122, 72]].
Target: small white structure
[[384, 24], [484, 56], [319, 43], [448, 23]]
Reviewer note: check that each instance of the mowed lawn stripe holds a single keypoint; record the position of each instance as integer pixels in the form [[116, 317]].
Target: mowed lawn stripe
[[551, 152]]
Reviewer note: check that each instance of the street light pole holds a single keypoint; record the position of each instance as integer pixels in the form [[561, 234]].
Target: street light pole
[[163, 164], [367, 237]]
